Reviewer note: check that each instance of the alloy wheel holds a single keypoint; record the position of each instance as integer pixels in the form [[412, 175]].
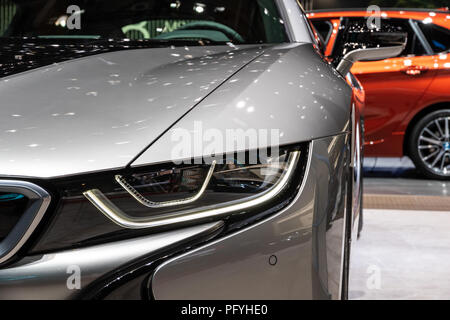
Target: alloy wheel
[[434, 145]]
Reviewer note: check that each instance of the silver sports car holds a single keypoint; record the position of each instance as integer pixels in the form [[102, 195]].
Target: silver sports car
[[174, 149]]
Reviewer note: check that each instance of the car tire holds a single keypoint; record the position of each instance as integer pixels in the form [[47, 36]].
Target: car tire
[[429, 145]]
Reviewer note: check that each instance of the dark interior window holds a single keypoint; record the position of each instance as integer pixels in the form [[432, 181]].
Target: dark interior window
[[7, 12], [352, 27], [438, 37], [238, 21], [324, 28]]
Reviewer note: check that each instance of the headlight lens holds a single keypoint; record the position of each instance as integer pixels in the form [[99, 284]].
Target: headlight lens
[[169, 194], [166, 196]]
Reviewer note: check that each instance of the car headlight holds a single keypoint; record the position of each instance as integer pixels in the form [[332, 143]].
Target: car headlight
[[169, 194]]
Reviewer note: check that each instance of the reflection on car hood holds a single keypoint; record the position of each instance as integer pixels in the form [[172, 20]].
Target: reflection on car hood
[[23, 54], [99, 112]]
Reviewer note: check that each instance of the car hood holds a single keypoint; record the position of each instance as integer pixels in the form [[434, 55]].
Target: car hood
[[100, 112]]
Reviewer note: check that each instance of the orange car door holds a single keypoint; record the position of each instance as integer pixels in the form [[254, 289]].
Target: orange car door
[[393, 87]]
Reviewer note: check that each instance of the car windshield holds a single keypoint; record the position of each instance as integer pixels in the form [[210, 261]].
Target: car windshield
[[200, 21]]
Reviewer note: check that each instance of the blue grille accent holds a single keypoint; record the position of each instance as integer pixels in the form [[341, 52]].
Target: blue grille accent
[[447, 146], [11, 197]]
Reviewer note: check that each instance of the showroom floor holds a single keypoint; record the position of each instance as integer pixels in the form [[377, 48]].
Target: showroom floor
[[404, 251]]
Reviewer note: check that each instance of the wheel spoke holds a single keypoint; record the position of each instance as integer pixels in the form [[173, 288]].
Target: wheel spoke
[[447, 129], [443, 162], [432, 134], [431, 155], [426, 147], [439, 156], [439, 128], [432, 141]]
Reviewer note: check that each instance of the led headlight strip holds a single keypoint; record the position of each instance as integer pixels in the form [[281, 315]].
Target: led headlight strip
[[110, 210], [150, 204]]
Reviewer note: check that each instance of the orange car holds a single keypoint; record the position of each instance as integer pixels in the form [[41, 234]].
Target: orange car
[[408, 98]]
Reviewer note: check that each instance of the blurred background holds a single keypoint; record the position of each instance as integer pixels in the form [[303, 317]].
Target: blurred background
[[405, 243]]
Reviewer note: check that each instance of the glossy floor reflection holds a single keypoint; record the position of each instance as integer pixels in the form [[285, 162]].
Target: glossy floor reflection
[[404, 251], [402, 255], [394, 176]]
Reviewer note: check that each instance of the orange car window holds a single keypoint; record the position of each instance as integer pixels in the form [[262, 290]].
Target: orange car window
[[325, 29], [438, 37], [352, 26]]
